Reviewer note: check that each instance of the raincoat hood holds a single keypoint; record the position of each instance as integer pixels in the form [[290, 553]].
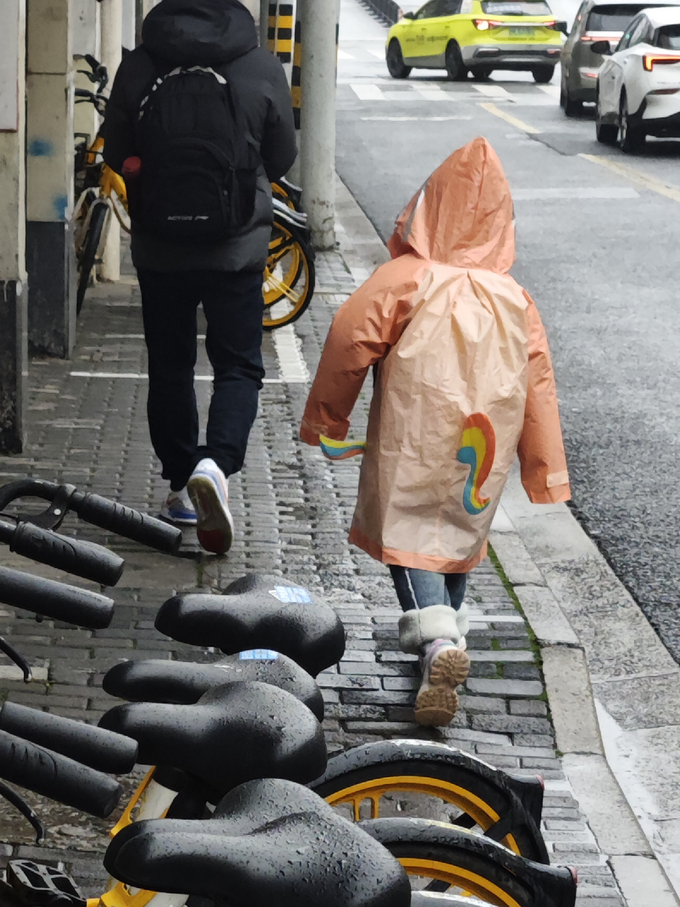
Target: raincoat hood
[[463, 215], [199, 32]]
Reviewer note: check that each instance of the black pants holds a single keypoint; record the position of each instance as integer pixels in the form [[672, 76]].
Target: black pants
[[233, 306]]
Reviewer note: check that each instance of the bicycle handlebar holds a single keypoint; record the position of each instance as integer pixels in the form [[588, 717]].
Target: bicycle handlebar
[[106, 514], [125, 521], [93, 746], [57, 777], [85, 559], [55, 600]]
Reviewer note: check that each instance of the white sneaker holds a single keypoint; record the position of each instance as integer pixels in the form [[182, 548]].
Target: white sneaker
[[208, 489], [179, 509], [445, 666]]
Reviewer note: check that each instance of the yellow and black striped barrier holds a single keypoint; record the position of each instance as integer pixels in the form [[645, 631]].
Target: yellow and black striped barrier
[[296, 76], [280, 31]]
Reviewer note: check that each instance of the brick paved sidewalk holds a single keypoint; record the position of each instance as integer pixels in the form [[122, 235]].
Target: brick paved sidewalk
[[292, 509]]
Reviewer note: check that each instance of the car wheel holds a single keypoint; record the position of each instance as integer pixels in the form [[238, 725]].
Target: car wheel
[[395, 61], [631, 137], [481, 75], [571, 107], [542, 74], [455, 69], [606, 132]]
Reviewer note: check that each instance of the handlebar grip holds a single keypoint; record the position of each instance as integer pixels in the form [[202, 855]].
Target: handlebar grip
[[93, 562], [131, 524], [57, 777], [102, 750], [55, 600]]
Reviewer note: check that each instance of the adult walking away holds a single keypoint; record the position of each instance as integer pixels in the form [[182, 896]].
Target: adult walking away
[[200, 122], [463, 383]]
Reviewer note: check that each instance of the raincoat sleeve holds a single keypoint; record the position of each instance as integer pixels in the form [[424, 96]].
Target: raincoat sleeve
[[541, 450], [363, 330]]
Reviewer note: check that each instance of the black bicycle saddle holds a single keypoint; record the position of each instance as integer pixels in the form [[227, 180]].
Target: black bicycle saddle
[[269, 842], [271, 613], [234, 733], [184, 682]]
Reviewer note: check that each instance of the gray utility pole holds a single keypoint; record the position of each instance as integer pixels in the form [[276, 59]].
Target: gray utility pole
[[264, 22], [319, 21], [111, 52]]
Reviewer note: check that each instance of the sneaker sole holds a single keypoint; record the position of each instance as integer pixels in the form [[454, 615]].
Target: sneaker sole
[[214, 529], [437, 703]]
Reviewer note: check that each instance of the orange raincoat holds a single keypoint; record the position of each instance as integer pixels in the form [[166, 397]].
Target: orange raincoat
[[464, 380]]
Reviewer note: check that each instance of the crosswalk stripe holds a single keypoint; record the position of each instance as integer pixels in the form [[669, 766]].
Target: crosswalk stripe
[[368, 92], [492, 91], [378, 54], [552, 90], [343, 55], [435, 93]]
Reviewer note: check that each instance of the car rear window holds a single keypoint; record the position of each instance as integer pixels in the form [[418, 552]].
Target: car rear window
[[668, 37], [614, 17], [516, 8]]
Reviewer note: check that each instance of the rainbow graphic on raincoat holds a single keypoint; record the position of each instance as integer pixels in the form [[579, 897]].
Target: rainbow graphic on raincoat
[[341, 450], [477, 450]]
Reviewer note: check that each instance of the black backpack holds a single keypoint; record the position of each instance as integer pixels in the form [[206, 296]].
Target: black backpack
[[198, 177]]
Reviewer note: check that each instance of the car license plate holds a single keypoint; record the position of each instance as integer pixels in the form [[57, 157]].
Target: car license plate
[[522, 32]]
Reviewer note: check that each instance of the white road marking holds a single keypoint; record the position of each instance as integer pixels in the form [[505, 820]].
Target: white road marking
[[552, 90], [414, 119], [289, 353], [434, 93], [492, 91], [140, 376], [571, 192], [368, 92], [379, 54], [343, 55]]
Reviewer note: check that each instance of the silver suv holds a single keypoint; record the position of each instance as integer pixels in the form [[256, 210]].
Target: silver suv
[[595, 21]]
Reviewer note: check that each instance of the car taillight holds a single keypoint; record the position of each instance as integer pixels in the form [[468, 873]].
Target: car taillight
[[649, 61]]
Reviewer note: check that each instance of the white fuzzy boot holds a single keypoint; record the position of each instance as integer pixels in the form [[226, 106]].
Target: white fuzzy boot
[[435, 635]]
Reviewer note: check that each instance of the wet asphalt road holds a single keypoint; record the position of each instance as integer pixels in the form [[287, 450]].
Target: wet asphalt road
[[597, 249]]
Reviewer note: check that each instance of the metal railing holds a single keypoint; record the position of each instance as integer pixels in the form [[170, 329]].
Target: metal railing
[[387, 10]]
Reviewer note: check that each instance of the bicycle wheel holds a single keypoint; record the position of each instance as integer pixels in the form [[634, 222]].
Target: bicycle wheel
[[90, 248], [470, 864], [504, 808], [289, 276]]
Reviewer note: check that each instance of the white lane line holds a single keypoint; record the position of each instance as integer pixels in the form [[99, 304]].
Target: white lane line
[[137, 336], [292, 366], [492, 91], [571, 192], [414, 119], [140, 376], [368, 92]]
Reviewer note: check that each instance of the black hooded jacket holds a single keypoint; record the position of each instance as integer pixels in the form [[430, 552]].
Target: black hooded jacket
[[220, 34]]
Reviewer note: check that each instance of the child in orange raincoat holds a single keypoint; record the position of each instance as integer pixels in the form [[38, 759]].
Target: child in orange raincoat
[[464, 383]]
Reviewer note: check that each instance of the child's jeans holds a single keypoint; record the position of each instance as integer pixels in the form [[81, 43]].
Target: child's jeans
[[433, 608], [423, 589]]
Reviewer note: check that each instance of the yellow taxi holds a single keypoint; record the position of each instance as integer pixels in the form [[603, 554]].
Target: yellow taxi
[[476, 36]]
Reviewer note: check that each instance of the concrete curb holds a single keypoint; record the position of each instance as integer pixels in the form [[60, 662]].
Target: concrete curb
[[597, 646], [611, 683]]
